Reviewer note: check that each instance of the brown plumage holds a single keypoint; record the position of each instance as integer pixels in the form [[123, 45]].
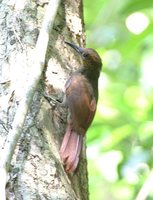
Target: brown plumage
[[81, 92]]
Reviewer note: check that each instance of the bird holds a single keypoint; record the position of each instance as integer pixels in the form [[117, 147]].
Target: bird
[[81, 96]]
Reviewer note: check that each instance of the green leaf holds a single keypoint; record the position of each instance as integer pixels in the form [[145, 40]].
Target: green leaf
[[136, 5]]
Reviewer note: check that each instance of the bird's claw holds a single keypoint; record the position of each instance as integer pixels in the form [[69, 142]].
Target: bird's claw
[[51, 99]]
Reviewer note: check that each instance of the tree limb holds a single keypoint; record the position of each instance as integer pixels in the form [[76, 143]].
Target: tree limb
[[19, 119], [146, 188]]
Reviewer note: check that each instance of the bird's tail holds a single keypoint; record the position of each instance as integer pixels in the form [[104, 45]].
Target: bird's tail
[[70, 149]]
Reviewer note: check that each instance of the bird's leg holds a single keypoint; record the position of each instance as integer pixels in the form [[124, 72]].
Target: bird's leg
[[61, 101], [58, 105]]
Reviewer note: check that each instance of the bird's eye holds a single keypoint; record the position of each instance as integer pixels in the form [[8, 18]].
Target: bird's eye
[[85, 55]]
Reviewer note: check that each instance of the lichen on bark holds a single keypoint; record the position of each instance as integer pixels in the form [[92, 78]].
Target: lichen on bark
[[36, 170]]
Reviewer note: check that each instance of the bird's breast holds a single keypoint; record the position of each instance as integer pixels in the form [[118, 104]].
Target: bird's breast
[[81, 101]]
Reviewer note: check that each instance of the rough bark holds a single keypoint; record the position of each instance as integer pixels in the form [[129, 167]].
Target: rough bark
[[36, 171]]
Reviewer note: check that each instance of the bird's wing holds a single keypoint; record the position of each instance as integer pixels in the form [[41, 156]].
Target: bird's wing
[[81, 102]]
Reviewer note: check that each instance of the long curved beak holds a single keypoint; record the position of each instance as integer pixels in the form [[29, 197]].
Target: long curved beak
[[80, 50]]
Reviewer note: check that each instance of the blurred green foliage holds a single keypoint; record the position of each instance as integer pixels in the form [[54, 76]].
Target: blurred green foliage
[[120, 140]]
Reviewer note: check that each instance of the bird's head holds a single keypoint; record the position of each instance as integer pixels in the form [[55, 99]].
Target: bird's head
[[90, 57]]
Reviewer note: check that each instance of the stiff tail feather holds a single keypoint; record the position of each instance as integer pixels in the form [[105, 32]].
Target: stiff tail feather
[[70, 149]]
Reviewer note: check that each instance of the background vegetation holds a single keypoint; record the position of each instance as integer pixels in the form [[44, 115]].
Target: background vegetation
[[120, 141]]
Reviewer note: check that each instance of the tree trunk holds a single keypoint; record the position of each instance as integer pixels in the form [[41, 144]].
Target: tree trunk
[[36, 170]]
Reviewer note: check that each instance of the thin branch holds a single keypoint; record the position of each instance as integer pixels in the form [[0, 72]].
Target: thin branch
[[19, 119], [146, 188]]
